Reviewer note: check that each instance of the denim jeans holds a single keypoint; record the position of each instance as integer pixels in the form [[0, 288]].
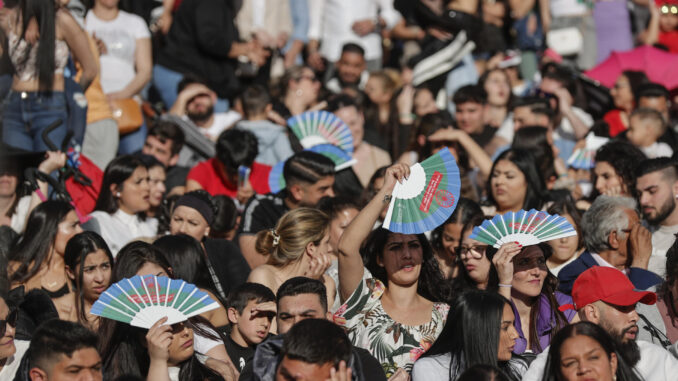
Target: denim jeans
[[166, 81], [132, 142], [27, 114]]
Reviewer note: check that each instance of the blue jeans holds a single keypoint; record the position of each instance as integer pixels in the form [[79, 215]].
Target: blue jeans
[[166, 82], [132, 142], [28, 114]]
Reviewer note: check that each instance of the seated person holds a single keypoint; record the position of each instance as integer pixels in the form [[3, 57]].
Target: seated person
[[195, 102], [164, 142], [470, 107], [309, 176], [251, 308], [614, 237], [646, 126], [219, 175], [62, 350], [274, 145], [350, 69]]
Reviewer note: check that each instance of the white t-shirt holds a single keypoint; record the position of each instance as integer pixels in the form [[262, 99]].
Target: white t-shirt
[[656, 364], [662, 239], [119, 229], [9, 370], [18, 221], [563, 8], [657, 149], [221, 122], [120, 36]]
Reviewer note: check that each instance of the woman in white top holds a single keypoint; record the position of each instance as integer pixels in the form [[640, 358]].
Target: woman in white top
[[124, 43], [119, 215]]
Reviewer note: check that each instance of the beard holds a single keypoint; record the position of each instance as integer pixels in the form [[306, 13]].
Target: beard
[[628, 349], [663, 212], [200, 117]]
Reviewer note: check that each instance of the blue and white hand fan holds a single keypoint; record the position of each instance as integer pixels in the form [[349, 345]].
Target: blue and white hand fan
[[276, 181], [321, 127], [584, 158], [427, 198], [526, 228], [142, 301], [339, 157]]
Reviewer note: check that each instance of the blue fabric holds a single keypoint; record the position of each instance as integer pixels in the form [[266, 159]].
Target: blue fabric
[[463, 74], [132, 142], [25, 118], [641, 278], [166, 81]]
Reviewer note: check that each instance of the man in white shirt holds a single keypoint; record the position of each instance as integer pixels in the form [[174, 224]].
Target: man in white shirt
[[657, 187], [604, 296], [350, 70], [195, 102], [336, 22]]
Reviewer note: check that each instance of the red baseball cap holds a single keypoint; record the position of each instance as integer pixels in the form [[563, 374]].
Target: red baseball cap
[[609, 285]]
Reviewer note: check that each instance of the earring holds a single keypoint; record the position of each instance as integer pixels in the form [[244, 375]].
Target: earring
[[299, 93], [117, 194]]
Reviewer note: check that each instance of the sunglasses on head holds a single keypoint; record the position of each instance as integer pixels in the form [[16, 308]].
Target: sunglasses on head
[[669, 9], [11, 319]]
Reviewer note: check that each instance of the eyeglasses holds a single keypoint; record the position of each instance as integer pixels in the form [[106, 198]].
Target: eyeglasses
[[476, 251], [669, 9], [12, 317]]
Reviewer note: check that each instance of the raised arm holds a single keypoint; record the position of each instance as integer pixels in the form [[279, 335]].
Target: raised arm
[[476, 153], [350, 262]]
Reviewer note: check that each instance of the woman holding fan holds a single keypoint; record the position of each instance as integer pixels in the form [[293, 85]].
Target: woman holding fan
[[89, 264], [405, 293]]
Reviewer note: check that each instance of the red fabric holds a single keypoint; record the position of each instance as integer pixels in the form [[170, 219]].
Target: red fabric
[[614, 120], [85, 197], [670, 40], [208, 175]]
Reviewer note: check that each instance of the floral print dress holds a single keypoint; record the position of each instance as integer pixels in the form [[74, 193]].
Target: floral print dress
[[368, 326]]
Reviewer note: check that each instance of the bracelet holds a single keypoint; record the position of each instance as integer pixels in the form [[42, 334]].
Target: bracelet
[[387, 198], [504, 285]]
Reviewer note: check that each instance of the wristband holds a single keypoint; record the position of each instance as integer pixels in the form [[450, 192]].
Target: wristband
[[504, 285]]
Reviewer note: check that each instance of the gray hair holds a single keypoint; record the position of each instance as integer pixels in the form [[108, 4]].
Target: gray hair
[[606, 214]]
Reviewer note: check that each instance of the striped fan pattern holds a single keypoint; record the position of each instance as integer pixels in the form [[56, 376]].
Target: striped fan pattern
[[143, 300], [427, 198], [321, 127], [525, 227]]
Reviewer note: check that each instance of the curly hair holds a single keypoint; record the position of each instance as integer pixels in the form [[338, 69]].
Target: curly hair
[[624, 158]]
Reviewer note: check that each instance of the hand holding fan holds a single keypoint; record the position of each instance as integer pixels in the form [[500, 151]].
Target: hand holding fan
[[526, 228], [142, 300], [427, 198], [321, 127]]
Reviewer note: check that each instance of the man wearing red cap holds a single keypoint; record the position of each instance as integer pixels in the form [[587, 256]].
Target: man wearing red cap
[[605, 296]]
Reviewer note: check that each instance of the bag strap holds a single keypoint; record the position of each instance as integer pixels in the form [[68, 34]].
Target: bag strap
[[656, 332]]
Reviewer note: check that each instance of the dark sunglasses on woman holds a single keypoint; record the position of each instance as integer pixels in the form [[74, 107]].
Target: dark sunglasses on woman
[[11, 319]]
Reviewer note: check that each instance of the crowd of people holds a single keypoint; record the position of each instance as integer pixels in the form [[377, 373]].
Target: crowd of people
[[154, 137]]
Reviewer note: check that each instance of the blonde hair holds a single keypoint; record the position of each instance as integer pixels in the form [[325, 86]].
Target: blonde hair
[[294, 231], [390, 80]]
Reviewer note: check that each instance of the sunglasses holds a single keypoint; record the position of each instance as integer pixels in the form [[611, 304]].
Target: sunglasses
[[669, 9], [12, 317]]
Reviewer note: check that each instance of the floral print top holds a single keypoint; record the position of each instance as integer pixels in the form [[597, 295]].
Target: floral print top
[[368, 326]]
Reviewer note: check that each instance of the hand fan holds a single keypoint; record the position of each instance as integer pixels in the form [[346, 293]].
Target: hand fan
[[142, 301], [276, 181], [341, 159], [526, 228], [583, 158], [427, 198], [321, 127]]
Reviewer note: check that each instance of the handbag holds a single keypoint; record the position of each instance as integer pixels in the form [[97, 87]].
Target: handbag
[[127, 113], [565, 41]]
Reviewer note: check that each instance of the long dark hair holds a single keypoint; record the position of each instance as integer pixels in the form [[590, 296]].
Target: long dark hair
[[548, 289], [665, 290], [525, 161], [623, 157], [534, 139], [431, 284], [471, 334], [41, 230], [466, 209], [120, 344], [77, 250], [44, 13], [188, 260], [566, 206], [598, 334], [116, 173], [428, 124]]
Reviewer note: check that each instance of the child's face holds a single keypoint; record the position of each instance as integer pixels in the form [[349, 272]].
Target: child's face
[[253, 327], [641, 133]]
